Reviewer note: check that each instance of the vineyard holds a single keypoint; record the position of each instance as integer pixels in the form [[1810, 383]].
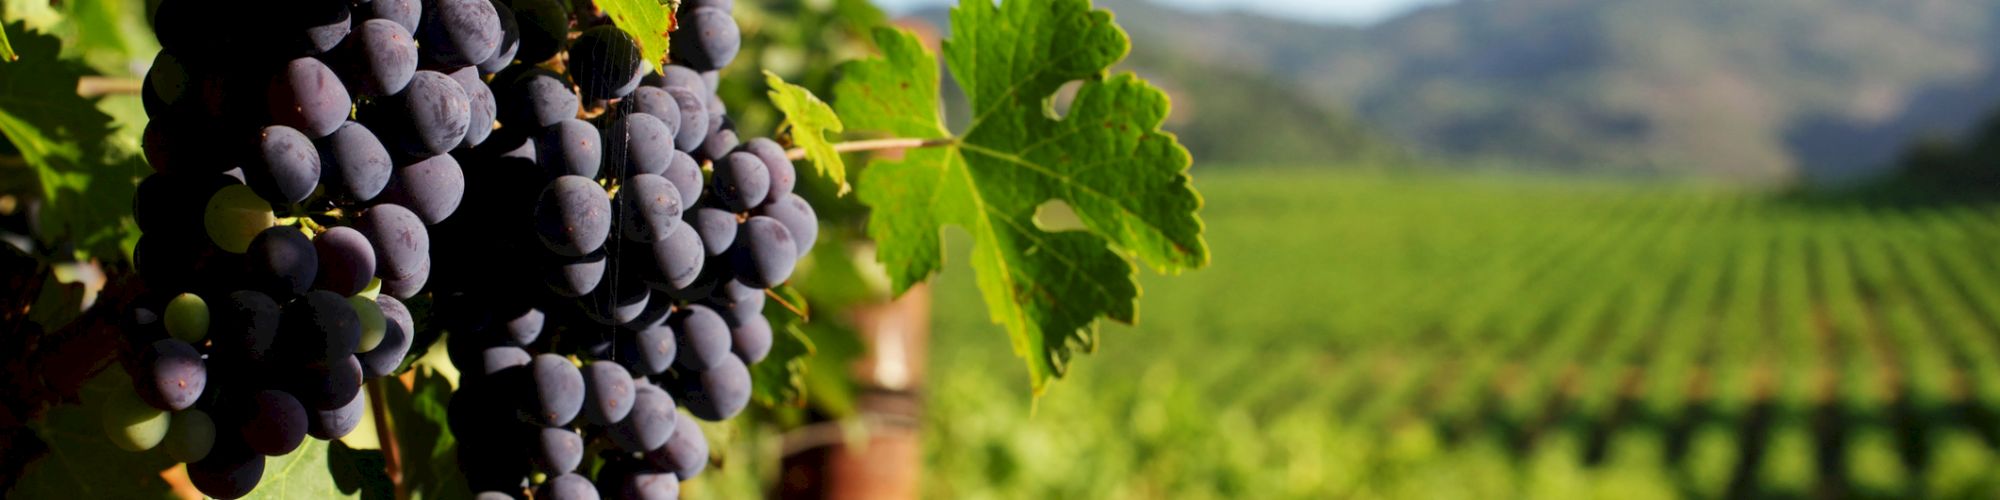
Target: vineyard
[[1370, 336]]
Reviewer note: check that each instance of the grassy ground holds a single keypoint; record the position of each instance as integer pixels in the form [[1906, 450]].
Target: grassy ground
[[1362, 336]]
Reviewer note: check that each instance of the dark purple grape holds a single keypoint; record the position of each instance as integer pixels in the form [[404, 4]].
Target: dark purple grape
[[784, 176], [797, 216], [244, 325], [650, 208], [285, 167], [569, 147], [573, 216], [388, 355], [407, 287], [485, 109], [656, 102], [718, 393], [308, 96], [636, 479], [686, 453], [378, 59], [740, 182], [765, 252], [708, 38], [320, 327], [558, 391], [647, 349], [693, 128], [751, 339], [616, 300], [703, 335], [558, 450], [329, 387], [429, 118], [354, 164], [346, 261], [510, 39], [677, 258], [406, 13], [458, 33], [605, 62], [536, 98], [638, 144], [608, 393], [171, 375], [717, 228], [649, 425], [336, 423], [272, 423], [431, 188], [575, 276], [738, 302], [231, 468], [282, 262], [567, 487], [402, 244]]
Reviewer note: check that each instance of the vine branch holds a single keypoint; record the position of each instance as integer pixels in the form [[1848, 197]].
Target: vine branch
[[896, 144], [385, 433]]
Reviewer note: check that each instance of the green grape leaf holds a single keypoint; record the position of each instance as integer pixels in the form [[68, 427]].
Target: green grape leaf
[[80, 461], [6, 49], [1107, 160], [780, 379], [810, 119], [425, 444], [86, 184], [300, 474], [648, 21]]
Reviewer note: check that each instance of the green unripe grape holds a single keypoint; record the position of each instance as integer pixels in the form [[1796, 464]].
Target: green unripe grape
[[132, 424], [373, 291], [187, 318], [235, 215], [373, 325], [190, 437]]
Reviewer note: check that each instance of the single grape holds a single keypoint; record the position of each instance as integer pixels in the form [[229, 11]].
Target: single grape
[[784, 175], [338, 422], [765, 252], [650, 208], [608, 393], [485, 109], [558, 390], [244, 325], [308, 96], [636, 479], [187, 318], [646, 348], [502, 59], [638, 144], [402, 244], [751, 339], [573, 216], [374, 326], [231, 468], [272, 423], [353, 163], [510, 39], [282, 261], [190, 437], [723, 5], [431, 188], [286, 166], [693, 128], [718, 393], [558, 450], [131, 424], [388, 354], [234, 216], [677, 258], [676, 75], [605, 63], [798, 217], [320, 327], [686, 453], [171, 375], [717, 228], [544, 28], [708, 38], [685, 173], [458, 33], [738, 302], [703, 335], [649, 425], [325, 24], [616, 300], [537, 98], [567, 487], [378, 59], [346, 261], [570, 147], [325, 388], [575, 276], [741, 181], [429, 118], [719, 144]]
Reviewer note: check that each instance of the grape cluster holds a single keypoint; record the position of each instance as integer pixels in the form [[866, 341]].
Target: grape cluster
[[586, 226]]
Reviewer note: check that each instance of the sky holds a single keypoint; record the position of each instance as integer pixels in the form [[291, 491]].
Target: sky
[[1329, 11]]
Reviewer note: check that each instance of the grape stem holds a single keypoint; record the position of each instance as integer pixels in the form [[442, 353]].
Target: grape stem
[[896, 144], [99, 86], [788, 305], [385, 433]]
